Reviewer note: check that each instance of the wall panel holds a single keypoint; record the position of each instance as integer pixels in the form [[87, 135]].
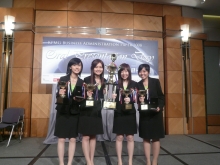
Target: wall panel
[[199, 125], [198, 83], [37, 87], [24, 15], [85, 5], [37, 56], [24, 3], [214, 129], [173, 59], [172, 22], [41, 105], [24, 36], [21, 79], [117, 7], [111, 20], [150, 23], [175, 125], [84, 19], [39, 127], [196, 44], [51, 18], [51, 5], [173, 42], [22, 99], [174, 102], [174, 82], [196, 60], [148, 9], [198, 105], [23, 55], [172, 10], [213, 120]]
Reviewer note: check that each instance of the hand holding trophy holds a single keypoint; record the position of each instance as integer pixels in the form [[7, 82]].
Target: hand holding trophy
[[62, 87], [90, 88], [126, 92], [142, 94]]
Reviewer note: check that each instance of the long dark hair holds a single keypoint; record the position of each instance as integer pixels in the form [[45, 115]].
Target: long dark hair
[[93, 65], [74, 61], [146, 66], [124, 66]]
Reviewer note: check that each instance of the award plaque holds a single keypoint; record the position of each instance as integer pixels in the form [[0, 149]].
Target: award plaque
[[110, 86], [126, 92], [90, 100], [143, 105], [62, 99]]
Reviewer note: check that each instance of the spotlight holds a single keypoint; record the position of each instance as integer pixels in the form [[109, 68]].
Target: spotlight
[[202, 1]]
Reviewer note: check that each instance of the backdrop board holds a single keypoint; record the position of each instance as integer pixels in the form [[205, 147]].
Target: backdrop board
[[58, 51]]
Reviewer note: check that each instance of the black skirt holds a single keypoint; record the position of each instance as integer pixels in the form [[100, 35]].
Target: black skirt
[[124, 123], [90, 120], [66, 125], [90, 125], [151, 125]]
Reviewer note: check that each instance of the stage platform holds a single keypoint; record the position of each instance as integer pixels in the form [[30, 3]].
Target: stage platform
[[175, 150]]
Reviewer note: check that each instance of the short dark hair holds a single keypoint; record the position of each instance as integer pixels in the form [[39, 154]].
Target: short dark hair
[[74, 61], [146, 66], [124, 66], [93, 65]]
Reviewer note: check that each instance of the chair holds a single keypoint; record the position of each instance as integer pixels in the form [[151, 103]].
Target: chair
[[12, 117]]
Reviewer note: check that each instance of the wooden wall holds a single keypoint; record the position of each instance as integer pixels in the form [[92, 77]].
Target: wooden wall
[[21, 70], [147, 19], [175, 112]]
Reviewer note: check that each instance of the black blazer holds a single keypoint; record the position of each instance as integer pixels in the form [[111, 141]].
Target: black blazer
[[155, 91], [73, 106], [87, 80], [120, 104]]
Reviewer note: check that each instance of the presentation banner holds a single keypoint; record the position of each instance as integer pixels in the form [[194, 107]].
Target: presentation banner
[[57, 52]]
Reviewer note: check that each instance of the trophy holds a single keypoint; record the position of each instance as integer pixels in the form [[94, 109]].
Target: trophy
[[127, 92], [90, 100], [110, 85], [61, 99], [143, 93]]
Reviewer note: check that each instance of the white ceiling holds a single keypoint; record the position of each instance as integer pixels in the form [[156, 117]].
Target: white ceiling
[[209, 7]]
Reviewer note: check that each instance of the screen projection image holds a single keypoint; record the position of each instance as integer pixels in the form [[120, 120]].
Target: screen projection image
[[57, 52]]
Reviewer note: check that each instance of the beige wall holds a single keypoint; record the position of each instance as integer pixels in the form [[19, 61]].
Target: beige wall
[[148, 21]]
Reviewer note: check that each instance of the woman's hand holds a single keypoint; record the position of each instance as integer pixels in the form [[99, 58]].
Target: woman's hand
[[89, 93], [114, 96], [158, 109], [62, 91], [127, 100]]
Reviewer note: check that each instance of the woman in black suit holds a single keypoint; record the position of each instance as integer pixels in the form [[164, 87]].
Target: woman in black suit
[[151, 121], [68, 114], [90, 122], [125, 119]]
